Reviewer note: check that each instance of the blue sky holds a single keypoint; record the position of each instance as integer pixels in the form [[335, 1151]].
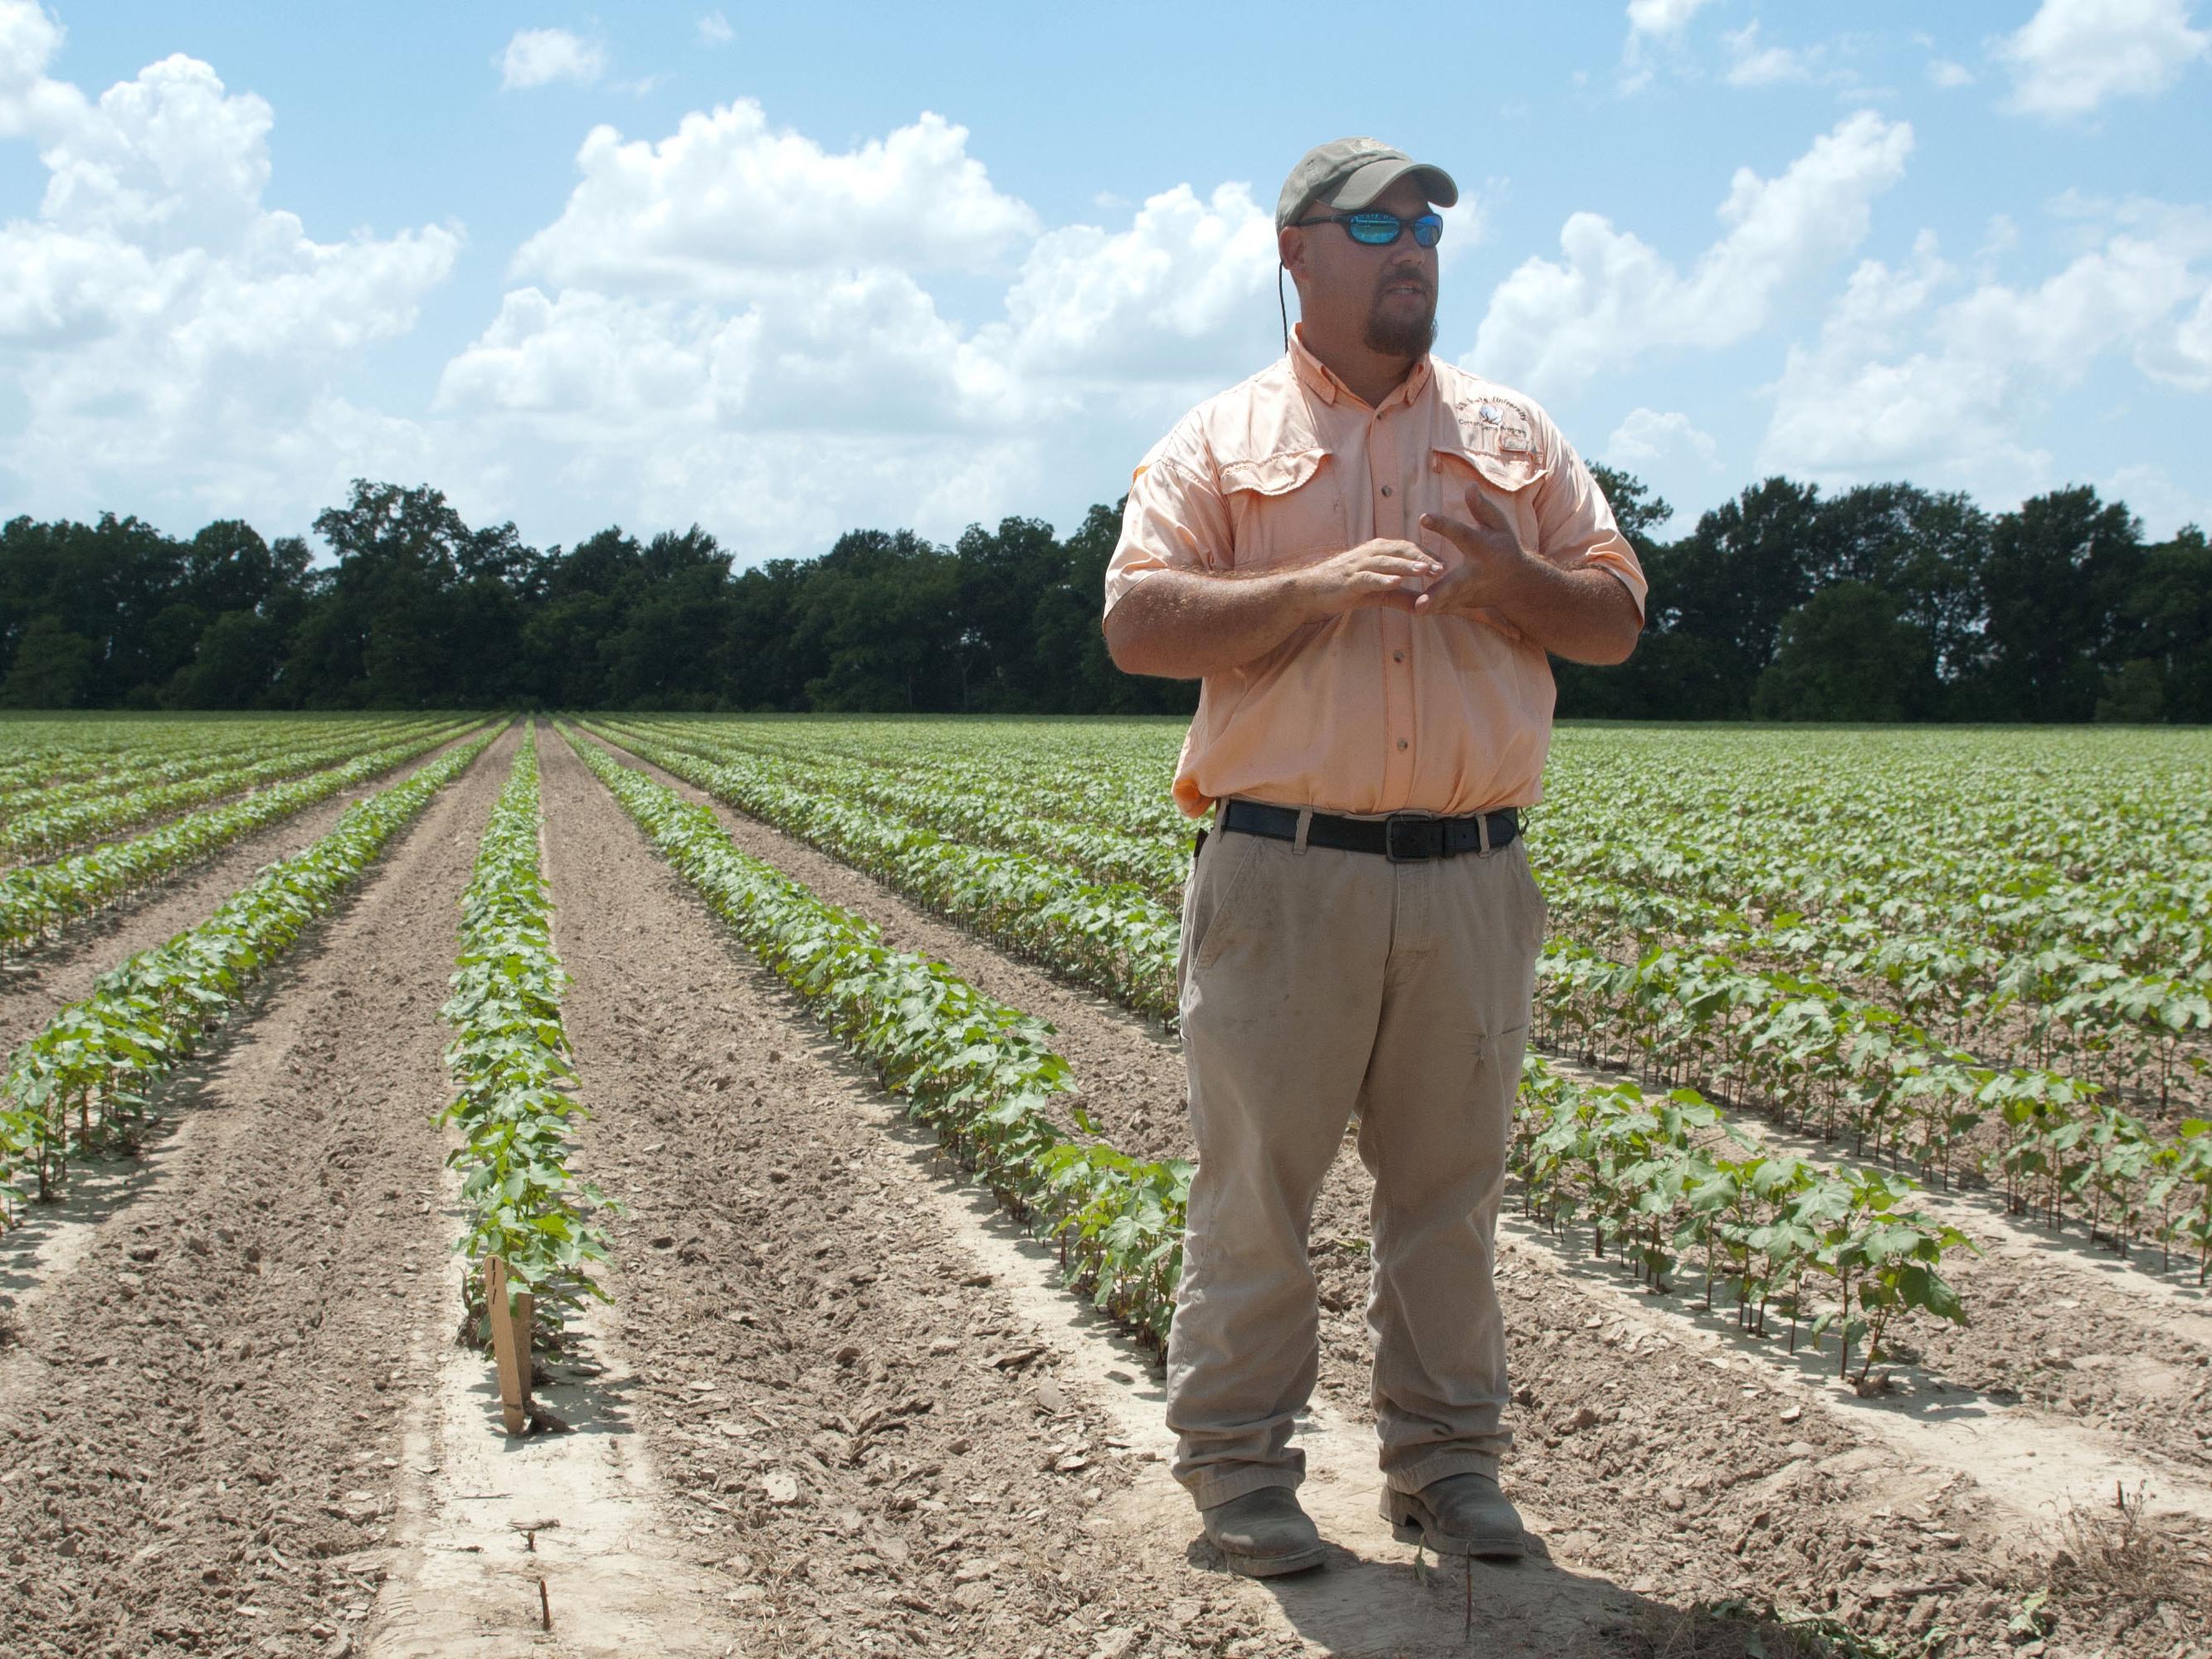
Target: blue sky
[[786, 271]]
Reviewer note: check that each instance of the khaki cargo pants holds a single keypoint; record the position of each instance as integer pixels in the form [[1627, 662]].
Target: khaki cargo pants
[[1315, 982]]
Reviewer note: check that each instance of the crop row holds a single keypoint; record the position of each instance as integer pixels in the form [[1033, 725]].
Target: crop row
[[2060, 993], [1850, 1230], [1791, 1047], [981, 1073], [64, 752], [41, 900], [60, 818], [1934, 859], [2104, 1023], [1971, 811], [531, 1240], [1834, 1065], [84, 1079], [2094, 830], [1109, 785], [1112, 937], [983, 814], [1812, 855], [1880, 1258], [1643, 1173], [1776, 1039], [2108, 1024]]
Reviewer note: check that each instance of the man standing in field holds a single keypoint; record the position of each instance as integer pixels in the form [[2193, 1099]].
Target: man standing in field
[[1364, 553]]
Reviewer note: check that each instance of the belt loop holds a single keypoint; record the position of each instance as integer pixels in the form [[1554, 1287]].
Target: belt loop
[[1305, 823], [1482, 833]]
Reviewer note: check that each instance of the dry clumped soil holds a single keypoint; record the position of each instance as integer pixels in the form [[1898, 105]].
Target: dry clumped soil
[[851, 1421]]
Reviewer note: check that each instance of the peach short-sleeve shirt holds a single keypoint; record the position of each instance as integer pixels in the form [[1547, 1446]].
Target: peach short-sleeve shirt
[[1376, 710]]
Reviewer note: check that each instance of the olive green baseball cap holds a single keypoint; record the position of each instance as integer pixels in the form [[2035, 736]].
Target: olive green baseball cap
[[1347, 174]]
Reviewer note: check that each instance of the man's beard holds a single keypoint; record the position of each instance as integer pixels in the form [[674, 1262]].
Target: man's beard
[[1406, 334]]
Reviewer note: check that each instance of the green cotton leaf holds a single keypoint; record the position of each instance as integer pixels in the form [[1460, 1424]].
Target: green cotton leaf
[[1888, 1240]]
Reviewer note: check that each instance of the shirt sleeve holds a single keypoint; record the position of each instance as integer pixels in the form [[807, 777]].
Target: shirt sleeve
[[1175, 519], [1577, 526]]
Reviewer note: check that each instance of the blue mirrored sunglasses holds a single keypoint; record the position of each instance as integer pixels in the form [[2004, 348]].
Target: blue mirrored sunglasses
[[1380, 229]]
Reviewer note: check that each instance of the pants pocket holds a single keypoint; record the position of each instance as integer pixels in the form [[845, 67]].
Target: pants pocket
[[1211, 898]]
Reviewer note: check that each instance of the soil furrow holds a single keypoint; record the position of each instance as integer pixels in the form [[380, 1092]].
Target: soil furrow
[[202, 1409], [860, 1426], [1709, 1487]]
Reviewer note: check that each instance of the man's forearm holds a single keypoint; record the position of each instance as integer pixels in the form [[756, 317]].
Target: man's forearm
[[1584, 614], [1180, 625]]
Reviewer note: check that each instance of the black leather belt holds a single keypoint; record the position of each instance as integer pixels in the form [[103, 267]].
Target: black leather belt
[[1402, 838]]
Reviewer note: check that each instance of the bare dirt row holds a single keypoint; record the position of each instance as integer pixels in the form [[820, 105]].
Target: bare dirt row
[[201, 1409], [1655, 1454], [858, 1426]]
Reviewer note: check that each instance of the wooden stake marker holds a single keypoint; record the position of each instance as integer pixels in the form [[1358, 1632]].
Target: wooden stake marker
[[510, 1343]]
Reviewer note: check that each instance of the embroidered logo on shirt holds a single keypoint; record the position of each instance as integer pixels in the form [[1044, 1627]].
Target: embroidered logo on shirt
[[1513, 433]]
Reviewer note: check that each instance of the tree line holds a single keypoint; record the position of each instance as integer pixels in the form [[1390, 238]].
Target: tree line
[[1886, 602]]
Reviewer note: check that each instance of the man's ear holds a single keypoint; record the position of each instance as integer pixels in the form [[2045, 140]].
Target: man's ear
[[1291, 249]]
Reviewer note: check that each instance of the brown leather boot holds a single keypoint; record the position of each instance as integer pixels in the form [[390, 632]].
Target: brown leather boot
[[1263, 1533], [1459, 1514]]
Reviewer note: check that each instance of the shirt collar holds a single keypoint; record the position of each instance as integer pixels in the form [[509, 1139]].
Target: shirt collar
[[1321, 381]]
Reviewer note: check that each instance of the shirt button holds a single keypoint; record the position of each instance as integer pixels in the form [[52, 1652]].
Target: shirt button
[[1398, 656], [1401, 743], [1386, 490]]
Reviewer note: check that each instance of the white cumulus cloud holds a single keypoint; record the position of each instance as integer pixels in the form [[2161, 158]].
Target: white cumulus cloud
[[538, 57], [1663, 16], [2075, 55], [1904, 378], [726, 200], [156, 316], [1655, 32], [778, 369], [714, 29], [1751, 64], [1155, 300], [2185, 358], [1646, 435], [1554, 325]]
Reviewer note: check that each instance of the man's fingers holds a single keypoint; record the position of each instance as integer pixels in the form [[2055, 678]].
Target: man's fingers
[[1469, 539], [1486, 511], [1440, 592]]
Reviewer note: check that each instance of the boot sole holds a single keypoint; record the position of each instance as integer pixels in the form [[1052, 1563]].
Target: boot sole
[[1409, 1526], [1272, 1566], [1482, 1549]]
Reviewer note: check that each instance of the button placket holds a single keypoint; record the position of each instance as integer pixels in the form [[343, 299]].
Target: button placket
[[1383, 466]]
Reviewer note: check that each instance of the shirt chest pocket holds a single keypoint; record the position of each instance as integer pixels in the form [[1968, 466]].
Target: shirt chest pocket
[[1502, 460], [1285, 509]]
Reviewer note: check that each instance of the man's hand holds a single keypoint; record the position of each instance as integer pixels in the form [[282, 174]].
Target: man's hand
[[1497, 567], [1392, 575], [1580, 612], [1186, 624]]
